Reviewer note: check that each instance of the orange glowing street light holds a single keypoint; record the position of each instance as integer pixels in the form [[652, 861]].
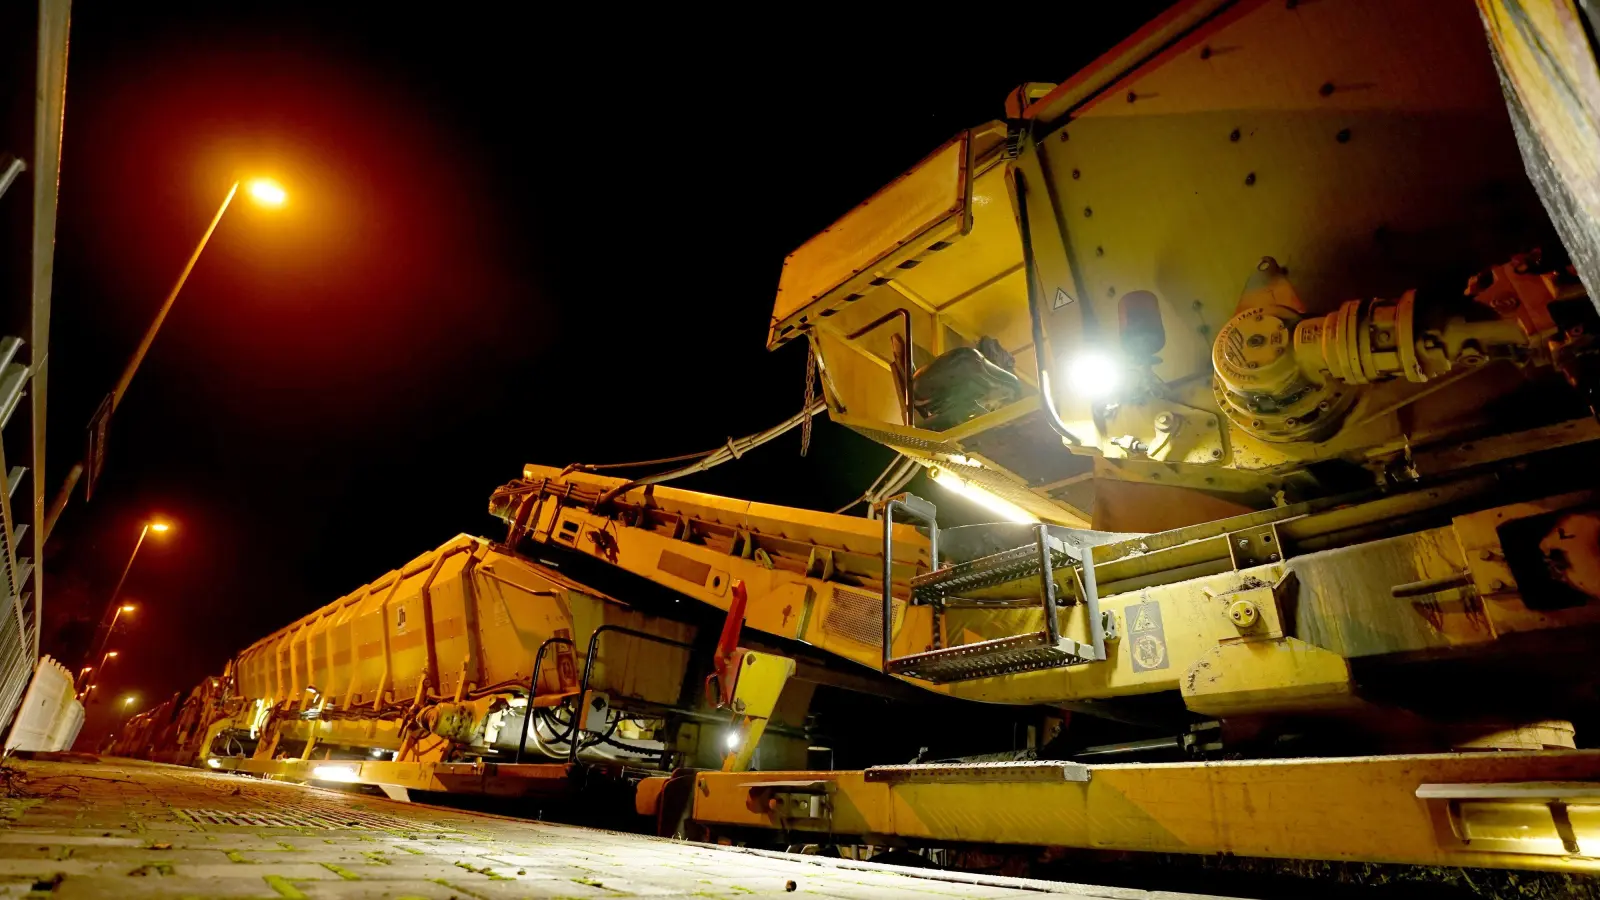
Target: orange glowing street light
[[267, 192], [124, 608], [114, 610]]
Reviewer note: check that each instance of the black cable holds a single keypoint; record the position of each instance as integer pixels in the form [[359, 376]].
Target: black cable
[[733, 449], [601, 467]]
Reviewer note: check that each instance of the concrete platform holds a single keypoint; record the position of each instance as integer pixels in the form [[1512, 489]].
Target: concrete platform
[[122, 829]]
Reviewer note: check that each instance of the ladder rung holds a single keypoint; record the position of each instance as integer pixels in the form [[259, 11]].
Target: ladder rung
[[985, 659]]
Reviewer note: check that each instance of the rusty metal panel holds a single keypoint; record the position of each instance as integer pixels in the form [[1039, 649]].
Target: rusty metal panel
[[341, 646], [367, 636], [316, 649], [454, 642], [404, 619], [1343, 600]]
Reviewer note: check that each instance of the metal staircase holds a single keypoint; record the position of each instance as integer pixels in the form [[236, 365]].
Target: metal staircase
[[993, 556]]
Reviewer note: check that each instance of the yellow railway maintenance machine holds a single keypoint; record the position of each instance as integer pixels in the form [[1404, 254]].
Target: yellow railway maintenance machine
[[1278, 356], [468, 670]]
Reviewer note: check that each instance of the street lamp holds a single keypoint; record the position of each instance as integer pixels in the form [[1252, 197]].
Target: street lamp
[[265, 192], [113, 611], [124, 608], [268, 192]]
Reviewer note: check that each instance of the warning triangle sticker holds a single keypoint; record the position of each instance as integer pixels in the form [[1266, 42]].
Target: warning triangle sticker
[[1062, 298], [1144, 622]]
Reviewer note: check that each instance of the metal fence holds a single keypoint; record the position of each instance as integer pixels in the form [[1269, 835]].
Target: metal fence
[[30, 165]]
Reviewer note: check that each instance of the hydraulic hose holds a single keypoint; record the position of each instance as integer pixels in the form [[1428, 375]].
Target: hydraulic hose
[[1047, 402]]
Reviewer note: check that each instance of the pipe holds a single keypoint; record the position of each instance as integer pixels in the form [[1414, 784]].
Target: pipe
[[906, 368], [1091, 600], [1129, 748], [533, 688], [1047, 582], [928, 518], [1036, 316], [1431, 586]]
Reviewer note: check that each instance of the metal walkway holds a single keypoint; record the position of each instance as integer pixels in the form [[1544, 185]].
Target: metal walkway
[[121, 829]]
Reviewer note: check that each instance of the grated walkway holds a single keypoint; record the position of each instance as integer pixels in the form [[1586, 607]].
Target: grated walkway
[[121, 829]]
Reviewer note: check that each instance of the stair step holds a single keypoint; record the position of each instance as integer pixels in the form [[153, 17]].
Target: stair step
[[998, 568], [985, 659]]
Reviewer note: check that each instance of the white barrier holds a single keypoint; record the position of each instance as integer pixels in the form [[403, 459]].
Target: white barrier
[[50, 715]]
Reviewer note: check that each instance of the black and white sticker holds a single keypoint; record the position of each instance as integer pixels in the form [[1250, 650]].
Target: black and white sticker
[[1062, 298]]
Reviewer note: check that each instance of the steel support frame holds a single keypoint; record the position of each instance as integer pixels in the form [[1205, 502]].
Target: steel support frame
[[497, 779], [1379, 809]]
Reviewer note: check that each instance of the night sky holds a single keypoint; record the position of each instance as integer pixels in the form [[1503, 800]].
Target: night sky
[[508, 240]]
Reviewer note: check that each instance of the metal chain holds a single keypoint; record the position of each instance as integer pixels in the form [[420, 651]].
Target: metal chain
[[811, 393]]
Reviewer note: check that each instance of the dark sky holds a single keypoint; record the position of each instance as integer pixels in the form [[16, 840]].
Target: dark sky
[[510, 238]]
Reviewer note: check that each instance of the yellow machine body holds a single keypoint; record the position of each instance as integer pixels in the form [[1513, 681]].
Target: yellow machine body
[[1259, 615], [1330, 139], [448, 633], [1251, 202]]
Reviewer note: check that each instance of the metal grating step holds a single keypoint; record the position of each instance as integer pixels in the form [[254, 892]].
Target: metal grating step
[[984, 659], [288, 816], [998, 568]]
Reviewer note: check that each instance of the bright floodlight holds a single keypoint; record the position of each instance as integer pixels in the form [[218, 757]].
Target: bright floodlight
[[1093, 375], [998, 505], [128, 701], [335, 773], [127, 607], [111, 654], [159, 527], [268, 192]]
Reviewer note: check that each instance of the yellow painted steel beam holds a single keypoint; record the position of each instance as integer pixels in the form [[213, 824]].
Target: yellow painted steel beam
[[1170, 594], [1393, 809], [467, 778]]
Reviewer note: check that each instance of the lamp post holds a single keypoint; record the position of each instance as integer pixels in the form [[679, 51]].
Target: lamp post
[[124, 712], [124, 608], [263, 191], [83, 696], [108, 619]]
